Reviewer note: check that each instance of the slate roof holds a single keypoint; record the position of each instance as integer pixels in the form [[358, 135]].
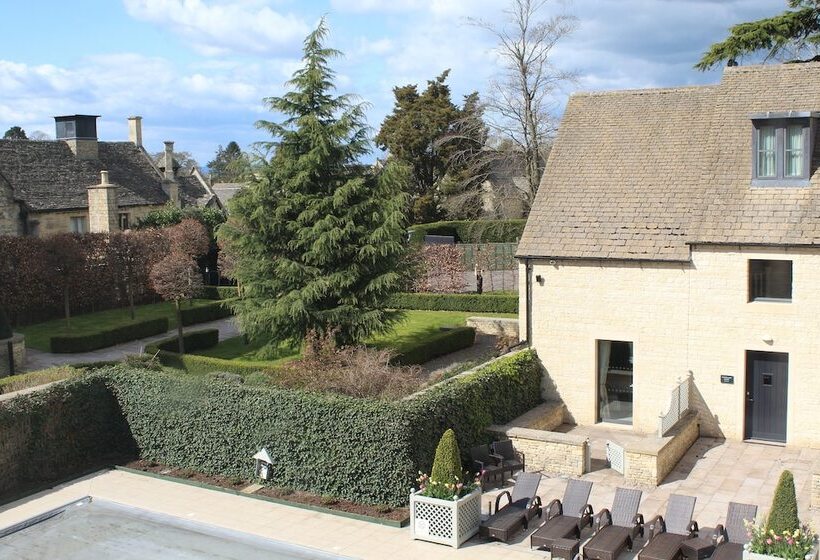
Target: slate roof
[[226, 191], [643, 174], [47, 176]]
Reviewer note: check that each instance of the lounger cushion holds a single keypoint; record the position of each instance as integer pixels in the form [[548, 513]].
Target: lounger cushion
[[607, 543], [559, 527], [665, 546], [503, 524], [728, 551]]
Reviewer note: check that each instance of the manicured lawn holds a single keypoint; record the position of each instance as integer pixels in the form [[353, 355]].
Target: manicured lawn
[[38, 335], [415, 327]]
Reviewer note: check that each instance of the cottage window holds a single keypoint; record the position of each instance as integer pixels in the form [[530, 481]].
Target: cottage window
[[782, 150], [124, 221], [770, 280], [78, 224]]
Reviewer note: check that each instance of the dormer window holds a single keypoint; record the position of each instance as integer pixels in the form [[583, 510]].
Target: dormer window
[[782, 149]]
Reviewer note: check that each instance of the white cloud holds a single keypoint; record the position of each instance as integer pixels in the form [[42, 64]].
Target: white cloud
[[219, 27]]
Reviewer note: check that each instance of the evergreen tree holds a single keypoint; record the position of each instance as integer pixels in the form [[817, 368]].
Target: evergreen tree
[[229, 164], [15, 133], [790, 34], [447, 462], [317, 238], [411, 133], [783, 514]]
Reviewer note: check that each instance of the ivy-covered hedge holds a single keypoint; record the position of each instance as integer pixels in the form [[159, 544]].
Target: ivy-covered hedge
[[472, 231], [205, 313], [220, 292], [469, 403], [479, 303], [101, 339], [360, 449], [442, 343], [194, 340], [58, 432]]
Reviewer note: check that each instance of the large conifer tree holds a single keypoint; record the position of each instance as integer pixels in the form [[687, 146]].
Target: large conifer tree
[[318, 238]]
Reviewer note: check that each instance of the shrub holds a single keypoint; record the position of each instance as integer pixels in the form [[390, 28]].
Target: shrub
[[68, 344], [440, 344], [205, 313], [447, 462], [194, 340], [354, 370], [472, 231], [484, 303], [783, 514], [201, 365]]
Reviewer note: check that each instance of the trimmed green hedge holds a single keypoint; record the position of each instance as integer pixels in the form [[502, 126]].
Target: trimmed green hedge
[[220, 292], [205, 313], [102, 339], [12, 383], [480, 303], [359, 449], [472, 231], [201, 365], [442, 343], [58, 432], [194, 340]]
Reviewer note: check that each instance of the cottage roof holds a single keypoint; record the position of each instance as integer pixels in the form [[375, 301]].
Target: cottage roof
[[46, 175], [643, 174]]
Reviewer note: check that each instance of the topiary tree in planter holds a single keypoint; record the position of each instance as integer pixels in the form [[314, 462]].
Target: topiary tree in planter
[[5, 326], [447, 462], [783, 515]]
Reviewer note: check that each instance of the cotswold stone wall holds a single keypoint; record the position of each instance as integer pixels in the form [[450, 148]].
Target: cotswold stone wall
[[648, 462], [681, 317], [9, 211]]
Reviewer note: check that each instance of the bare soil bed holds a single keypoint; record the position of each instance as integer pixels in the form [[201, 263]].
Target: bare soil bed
[[286, 494]]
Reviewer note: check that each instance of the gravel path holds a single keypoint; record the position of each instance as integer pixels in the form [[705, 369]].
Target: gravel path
[[37, 359]]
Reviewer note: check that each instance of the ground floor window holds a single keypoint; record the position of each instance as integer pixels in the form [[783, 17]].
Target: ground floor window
[[615, 381], [78, 224]]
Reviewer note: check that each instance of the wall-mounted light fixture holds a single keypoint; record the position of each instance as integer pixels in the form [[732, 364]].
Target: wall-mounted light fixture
[[539, 279], [767, 338]]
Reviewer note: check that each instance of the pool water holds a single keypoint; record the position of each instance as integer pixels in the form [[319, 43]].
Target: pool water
[[92, 529]]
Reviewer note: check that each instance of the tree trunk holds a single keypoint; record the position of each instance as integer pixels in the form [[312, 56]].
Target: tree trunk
[[130, 292], [179, 327], [67, 306]]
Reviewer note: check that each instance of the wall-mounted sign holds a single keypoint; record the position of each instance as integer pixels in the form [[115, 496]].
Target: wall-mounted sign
[[728, 379]]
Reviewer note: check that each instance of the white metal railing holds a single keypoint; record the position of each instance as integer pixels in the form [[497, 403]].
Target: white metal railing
[[678, 406]]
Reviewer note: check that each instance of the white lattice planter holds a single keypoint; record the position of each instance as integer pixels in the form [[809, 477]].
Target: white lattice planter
[[812, 555], [445, 521]]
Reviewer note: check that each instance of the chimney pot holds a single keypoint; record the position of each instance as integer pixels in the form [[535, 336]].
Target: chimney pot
[[135, 130], [104, 178]]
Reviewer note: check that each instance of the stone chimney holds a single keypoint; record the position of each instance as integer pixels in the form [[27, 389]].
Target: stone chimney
[[102, 206], [135, 130], [169, 182], [80, 133]]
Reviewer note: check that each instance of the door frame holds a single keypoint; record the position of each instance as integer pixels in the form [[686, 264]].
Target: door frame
[[748, 386]]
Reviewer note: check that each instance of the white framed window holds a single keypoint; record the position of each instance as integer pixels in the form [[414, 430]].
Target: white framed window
[[79, 224]]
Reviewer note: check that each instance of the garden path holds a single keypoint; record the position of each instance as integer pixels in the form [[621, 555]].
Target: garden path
[[37, 359], [480, 352]]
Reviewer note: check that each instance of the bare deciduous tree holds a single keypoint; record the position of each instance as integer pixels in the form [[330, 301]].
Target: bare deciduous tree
[[519, 106], [174, 278]]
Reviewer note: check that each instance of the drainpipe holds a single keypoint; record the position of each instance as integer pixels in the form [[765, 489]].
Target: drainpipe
[[528, 299]]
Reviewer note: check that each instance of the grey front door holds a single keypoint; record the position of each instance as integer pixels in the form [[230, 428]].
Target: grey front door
[[767, 387]]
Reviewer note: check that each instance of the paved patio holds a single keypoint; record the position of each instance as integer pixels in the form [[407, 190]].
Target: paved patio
[[717, 472]]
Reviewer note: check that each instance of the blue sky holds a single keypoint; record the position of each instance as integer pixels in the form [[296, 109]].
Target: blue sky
[[197, 70]]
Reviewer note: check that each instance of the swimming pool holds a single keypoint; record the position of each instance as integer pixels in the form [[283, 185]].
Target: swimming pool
[[93, 529]]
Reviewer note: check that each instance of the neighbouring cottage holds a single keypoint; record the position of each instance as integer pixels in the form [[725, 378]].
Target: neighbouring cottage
[[80, 184], [677, 232]]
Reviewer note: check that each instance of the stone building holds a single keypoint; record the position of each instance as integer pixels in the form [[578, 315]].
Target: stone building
[[77, 183], [677, 234]]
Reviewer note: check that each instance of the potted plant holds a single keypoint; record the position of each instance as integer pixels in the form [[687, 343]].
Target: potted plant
[[782, 536], [447, 507]]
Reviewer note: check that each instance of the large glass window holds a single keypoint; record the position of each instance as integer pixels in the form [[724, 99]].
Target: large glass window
[[615, 381], [770, 280], [794, 151]]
